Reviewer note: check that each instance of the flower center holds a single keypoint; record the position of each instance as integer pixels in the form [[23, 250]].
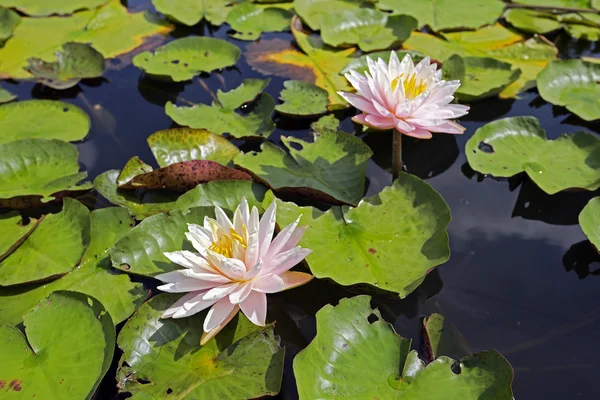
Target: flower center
[[224, 244], [412, 86]]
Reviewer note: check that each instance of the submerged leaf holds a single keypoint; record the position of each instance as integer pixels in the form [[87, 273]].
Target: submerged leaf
[[250, 20], [589, 220], [190, 12], [8, 22], [513, 145], [42, 8], [302, 99], [443, 339]]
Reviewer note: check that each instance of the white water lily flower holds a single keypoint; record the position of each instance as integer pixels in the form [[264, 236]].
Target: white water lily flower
[[237, 264], [411, 99]]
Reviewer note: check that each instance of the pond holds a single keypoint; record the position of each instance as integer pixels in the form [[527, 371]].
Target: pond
[[522, 277]]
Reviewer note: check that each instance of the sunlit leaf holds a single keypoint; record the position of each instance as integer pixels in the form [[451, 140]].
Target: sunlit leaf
[[6, 96], [315, 12], [302, 99], [243, 361], [134, 167], [175, 145], [184, 58], [190, 12], [589, 220], [8, 22], [556, 3], [65, 350], [513, 145], [14, 231], [225, 194], [573, 84], [111, 30], [44, 119], [359, 64], [250, 20], [75, 62], [221, 117], [41, 8], [579, 25], [391, 240]]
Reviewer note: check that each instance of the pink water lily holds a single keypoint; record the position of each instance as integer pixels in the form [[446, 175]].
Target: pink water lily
[[238, 262], [411, 99]]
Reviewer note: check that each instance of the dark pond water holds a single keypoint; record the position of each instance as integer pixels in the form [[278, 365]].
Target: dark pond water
[[522, 278]]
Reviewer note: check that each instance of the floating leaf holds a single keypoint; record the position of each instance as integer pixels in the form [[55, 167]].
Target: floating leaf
[[141, 204], [319, 64], [443, 339], [332, 168], [190, 12], [589, 220], [110, 29], [53, 249], [38, 167], [530, 56], [250, 20], [315, 12], [360, 64], [42, 8], [357, 355], [77, 61], [134, 167], [222, 118], [480, 77], [513, 145], [8, 22], [391, 240], [45, 119], [93, 276], [244, 361], [175, 145], [573, 84], [302, 99], [225, 194], [14, 232], [141, 250], [182, 59], [578, 25], [442, 15], [68, 347], [6, 96], [556, 3]]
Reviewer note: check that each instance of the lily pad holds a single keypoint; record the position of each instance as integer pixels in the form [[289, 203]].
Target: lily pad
[[442, 15], [141, 251], [589, 220], [302, 99], [110, 29], [225, 194], [6, 96], [182, 59], [319, 64], [443, 339], [332, 168], [14, 232], [134, 167], [93, 276], [315, 12], [42, 8], [578, 25], [38, 167], [141, 204], [391, 240], [250, 20], [367, 28], [176, 145], [190, 12], [8, 22], [68, 347], [513, 145], [53, 249], [359, 64], [357, 355], [44, 119], [243, 361], [77, 61], [221, 117], [573, 84]]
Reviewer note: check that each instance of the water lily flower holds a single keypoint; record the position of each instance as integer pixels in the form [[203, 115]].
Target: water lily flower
[[238, 263], [414, 100]]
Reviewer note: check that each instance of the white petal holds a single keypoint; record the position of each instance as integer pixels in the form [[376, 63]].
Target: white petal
[[230, 267], [268, 284], [222, 219], [200, 242], [282, 238], [294, 239], [240, 217], [206, 336], [284, 261], [252, 249], [219, 292], [254, 271], [255, 307], [185, 286], [266, 229], [394, 65], [178, 305], [193, 306], [217, 314], [241, 292]]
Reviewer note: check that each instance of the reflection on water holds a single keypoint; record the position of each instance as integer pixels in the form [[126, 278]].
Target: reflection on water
[[509, 283]]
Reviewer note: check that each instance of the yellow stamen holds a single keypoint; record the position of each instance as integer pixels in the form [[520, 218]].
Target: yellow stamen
[[412, 87], [224, 244]]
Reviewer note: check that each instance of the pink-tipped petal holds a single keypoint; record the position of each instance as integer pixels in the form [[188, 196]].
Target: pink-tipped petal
[[419, 133], [292, 279], [169, 312], [284, 261], [449, 127], [281, 239], [359, 102], [268, 284], [217, 314], [255, 308], [266, 228], [379, 122]]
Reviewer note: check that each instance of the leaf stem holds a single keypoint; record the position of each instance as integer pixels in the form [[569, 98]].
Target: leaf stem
[[397, 155], [552, 9]]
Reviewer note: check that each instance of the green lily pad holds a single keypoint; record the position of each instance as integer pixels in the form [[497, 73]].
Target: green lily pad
[[513, 145], [573, 84], [225, 194], [182, 59], [369, 29], [443, 339], [221, 116], [332, 168], [141, 250], [359, 64], [442, 15], [42, 8], [14, 232], [110, 29], [556, 3], [578, 25], [141, 204], [480, 77], [6, 96], [315, 12], [134, 167], [302, 99], [243, 361], [8, 22], [53, 249], [93, 276], [77, 61], [68, 347], [44, 119], [190, 12], [391, 240], [175, 145], [250, 20], [589, 220], [357, 355]]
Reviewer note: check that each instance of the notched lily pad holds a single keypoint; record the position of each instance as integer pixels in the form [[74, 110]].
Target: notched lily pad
[[250, 20], [589, 220], [8, 22], [182, 59], [302, 99], [75, 62], [315, 12], [42, 8], [513, 145]]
